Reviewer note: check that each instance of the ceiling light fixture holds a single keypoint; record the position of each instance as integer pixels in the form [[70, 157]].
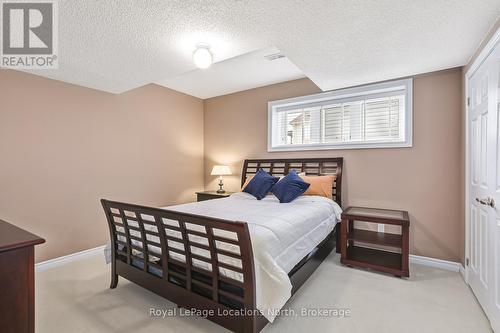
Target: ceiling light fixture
[[202, 56]]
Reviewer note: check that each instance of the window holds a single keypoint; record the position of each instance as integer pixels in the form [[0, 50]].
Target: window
[[372, 116]]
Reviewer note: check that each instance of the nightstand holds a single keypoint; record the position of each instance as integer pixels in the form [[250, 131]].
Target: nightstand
[[357, 244], [209, 195]]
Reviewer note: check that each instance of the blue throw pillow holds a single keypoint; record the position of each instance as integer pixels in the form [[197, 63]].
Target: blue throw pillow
[[290, 187], [261, 184]]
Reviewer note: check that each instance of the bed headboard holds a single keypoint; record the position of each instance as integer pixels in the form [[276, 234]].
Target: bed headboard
[[311, 166]]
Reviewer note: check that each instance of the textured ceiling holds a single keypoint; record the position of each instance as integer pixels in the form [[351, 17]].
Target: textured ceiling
[[118, 45]]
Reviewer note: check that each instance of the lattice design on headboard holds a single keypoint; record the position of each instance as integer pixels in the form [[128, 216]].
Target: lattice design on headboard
[[311, 166]]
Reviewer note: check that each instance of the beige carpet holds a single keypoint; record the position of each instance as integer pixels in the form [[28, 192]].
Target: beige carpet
[[76, 298]]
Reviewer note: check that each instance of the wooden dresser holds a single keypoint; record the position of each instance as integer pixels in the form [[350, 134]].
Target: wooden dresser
[[17, 279]]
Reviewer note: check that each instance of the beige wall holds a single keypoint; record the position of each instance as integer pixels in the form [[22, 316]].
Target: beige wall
[[64, 147], [425, 179]]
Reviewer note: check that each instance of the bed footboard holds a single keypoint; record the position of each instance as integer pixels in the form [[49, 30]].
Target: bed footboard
[[195, 261]]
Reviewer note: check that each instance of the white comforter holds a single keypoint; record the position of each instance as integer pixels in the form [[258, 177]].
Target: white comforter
[[281, 235]]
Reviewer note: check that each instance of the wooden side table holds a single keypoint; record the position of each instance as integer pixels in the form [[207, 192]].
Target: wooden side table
[[395, 261], [209, 195]]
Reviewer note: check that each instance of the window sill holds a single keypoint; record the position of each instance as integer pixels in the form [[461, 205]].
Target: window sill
[[384, 145]]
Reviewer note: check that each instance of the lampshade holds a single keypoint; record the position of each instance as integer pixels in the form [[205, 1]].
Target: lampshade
[[220, 170]]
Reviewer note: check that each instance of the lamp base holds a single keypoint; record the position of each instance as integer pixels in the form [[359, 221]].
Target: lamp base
[[221, 186]]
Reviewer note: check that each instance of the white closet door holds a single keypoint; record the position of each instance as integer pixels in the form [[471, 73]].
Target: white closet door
[[484, 187]]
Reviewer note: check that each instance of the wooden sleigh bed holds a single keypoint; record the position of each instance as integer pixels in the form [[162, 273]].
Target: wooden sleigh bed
[[190, 286]]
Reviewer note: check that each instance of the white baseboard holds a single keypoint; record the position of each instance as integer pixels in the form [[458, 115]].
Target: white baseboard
[[437, 263], [56, 262], [462, 272]]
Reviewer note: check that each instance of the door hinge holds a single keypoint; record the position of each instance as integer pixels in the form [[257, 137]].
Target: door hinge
[[468, 101], [466, 261]]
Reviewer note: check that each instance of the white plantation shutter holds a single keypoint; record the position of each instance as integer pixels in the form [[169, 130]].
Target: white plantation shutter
[[299, 126], [333, 123], [383, 117], [369, 118]]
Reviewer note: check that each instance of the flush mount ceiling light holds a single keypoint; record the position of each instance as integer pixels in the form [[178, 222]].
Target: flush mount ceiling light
[[202, 56]]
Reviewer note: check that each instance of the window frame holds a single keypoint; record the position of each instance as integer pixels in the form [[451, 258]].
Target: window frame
[[336, 96]]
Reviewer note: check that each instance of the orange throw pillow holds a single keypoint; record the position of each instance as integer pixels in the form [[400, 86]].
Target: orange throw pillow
[[320, 185]]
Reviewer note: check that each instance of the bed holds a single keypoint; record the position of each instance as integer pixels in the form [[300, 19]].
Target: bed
[[236, 259]]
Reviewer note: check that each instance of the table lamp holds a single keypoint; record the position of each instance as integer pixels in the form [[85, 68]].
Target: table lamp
[[220, 170]]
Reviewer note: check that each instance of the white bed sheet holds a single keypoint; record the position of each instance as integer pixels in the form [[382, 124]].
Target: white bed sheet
[[281, 235]]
